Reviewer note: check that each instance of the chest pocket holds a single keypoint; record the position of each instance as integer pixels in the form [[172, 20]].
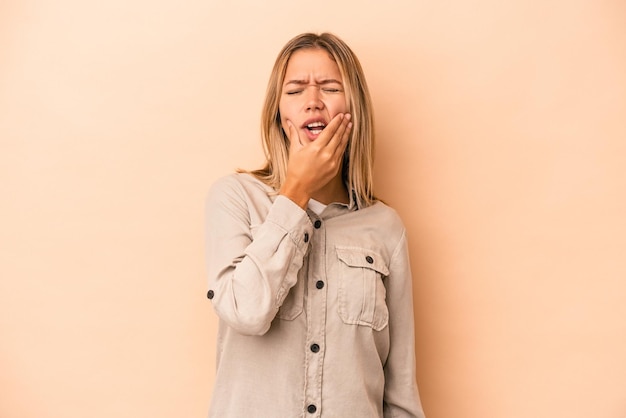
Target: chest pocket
[[361, 292]]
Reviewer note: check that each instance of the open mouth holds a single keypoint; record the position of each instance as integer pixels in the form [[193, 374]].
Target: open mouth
[[316, 128]]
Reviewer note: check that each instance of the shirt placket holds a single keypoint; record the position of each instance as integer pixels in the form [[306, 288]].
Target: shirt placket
[[316, 320]]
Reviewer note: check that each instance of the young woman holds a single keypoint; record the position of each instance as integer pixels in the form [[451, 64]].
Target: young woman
[[308, 272]]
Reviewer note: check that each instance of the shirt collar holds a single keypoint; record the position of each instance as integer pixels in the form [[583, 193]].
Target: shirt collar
[[338, 208]]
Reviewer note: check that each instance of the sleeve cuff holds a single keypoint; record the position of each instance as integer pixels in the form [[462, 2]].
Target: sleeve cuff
[[292, 218]]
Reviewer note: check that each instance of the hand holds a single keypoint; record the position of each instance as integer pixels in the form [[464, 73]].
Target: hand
[[313, 164]]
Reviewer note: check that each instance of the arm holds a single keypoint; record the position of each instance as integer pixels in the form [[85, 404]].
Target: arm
[[250, 278], [401, 397]]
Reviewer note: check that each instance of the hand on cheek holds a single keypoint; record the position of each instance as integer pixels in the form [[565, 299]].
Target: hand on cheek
[[313, 164]]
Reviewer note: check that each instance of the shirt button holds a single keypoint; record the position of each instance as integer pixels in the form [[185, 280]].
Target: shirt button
[[369, 259], [210, 294], [311, 408], [315, 348], [317, 224], [319, 284], [306, 237]]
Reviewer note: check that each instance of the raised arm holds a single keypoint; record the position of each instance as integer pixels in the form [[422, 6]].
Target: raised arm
[[251, 272]]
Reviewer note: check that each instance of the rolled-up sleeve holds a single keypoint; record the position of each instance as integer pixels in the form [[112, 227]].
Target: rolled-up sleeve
[[401, 398], [251, 267]]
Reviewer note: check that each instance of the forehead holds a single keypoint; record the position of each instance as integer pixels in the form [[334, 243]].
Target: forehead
[[310, 62]]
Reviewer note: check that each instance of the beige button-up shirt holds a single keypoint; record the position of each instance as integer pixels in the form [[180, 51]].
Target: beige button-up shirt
[[316, 311]]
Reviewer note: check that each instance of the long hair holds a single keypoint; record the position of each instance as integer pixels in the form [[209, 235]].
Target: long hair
[[359, 154]]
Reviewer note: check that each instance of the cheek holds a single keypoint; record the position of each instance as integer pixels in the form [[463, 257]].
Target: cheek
[[283, 124], [284, 115], [337, 106], [286, 111]]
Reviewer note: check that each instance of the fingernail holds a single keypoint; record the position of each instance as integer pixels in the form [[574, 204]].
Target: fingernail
[[348, 116], [350, 125]]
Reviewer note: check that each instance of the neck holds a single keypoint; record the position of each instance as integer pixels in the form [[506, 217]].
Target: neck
[[333, 191]]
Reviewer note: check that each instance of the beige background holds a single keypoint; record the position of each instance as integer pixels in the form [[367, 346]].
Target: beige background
[[502, 143]]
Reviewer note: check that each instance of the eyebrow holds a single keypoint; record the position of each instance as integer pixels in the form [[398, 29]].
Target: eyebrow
[[321, 82]]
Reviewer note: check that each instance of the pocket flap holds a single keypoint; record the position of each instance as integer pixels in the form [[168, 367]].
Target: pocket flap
[[364, 258]]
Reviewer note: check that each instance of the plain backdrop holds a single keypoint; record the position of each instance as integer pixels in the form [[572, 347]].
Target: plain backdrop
[[501, 143]]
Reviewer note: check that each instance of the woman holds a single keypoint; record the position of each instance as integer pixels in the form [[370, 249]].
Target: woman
[[308, 272]]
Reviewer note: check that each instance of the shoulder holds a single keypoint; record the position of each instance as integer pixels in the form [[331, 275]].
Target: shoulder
[[238, 184], [385, 215], [394, 231], [236, 193], [377, 227]]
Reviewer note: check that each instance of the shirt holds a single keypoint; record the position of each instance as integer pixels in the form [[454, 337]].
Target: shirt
[[316, 311]]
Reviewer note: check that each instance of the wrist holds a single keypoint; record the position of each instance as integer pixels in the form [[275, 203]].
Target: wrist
[[298, 196]]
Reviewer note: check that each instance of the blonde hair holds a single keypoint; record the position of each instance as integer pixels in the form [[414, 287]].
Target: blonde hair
[[359, 155]]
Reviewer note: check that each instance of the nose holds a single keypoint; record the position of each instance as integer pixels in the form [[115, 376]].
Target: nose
[[314, 98]]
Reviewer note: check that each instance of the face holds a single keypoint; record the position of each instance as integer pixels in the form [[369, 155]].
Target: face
[[312, 93]]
